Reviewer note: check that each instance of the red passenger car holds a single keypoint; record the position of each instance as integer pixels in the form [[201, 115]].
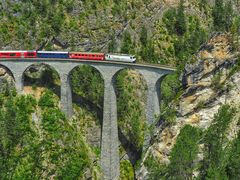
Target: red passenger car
[[10, 54], [87, 56], [18, 54], [30, 54]]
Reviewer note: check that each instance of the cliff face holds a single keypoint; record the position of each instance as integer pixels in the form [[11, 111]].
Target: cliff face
[[212, 81]]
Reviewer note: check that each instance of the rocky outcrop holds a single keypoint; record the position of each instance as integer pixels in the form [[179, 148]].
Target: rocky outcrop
[[209, 83]]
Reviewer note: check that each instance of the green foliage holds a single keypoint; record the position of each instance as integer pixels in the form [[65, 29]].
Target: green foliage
[[180, 26], [144, 36], [48, 100], [235, 31], [127, 46], [222, 15], [169, 19], [184, 153], [216, 82], [75, 166], [126, 170], [88, 83], [200, 105], [130, 99], [215, 155], [171, 89], [15, 132], [168, 114], [112, 45], [148, 53], [218, 14], [182, 157], [155, 169], [39, 148], [178, 37], [233, 166]]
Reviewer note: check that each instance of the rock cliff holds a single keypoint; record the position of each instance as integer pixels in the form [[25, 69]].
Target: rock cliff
[[212, 81]]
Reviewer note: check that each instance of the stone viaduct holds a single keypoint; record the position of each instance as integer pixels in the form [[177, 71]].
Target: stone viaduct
[[109, 145]]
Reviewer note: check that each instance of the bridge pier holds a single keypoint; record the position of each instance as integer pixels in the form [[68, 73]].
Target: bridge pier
[[152, 108], [109, 146], [66, 95], [19, 83]]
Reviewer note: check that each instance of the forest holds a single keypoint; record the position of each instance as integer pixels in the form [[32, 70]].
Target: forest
[[37, 141]]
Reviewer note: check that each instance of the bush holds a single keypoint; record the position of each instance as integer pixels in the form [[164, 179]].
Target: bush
[[126, 170], [48, 100]]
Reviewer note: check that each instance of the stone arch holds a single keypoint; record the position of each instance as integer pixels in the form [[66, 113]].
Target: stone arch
[[7, 69], [47, 75], [10, 81], [82, 78], [133, 152]]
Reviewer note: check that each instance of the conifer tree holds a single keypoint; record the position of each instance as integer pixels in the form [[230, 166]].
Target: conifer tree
[[228, 15], [218, 15], [126, 43], [180, 26], [184, 153], [144, 36]]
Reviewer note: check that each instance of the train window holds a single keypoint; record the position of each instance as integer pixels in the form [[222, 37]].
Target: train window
[[30, 54], [12, 54]]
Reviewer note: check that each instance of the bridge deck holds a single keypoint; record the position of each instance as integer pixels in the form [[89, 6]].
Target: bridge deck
[[157, 66]]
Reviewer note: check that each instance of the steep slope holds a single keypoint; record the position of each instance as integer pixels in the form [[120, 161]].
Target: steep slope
[[208, 84], [98, 25]]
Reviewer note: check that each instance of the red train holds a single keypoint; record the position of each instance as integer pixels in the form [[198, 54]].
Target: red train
[[68, 55], [18, 54]]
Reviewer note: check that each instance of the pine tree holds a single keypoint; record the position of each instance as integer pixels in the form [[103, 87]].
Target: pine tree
[[144, 36], [126, 43], [215, 155], [184, 153], [218, 15], [112, 46], [180, 26], [228, 15]]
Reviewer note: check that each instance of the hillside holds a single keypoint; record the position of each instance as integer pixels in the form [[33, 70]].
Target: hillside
[[195, 136], [147, 28]]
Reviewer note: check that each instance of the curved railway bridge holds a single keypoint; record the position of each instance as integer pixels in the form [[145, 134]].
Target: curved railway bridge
[[153, 74]]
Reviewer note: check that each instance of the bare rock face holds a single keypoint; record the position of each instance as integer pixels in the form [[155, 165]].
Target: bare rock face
[[208, 84], [6, 80], [210, 70]]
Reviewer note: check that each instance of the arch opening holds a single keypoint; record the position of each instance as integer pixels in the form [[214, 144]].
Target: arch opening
[[87, 86], [131, 92], [7, 80], [37, 78]]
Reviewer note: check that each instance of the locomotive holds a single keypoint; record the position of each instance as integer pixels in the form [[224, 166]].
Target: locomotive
[[69, 55]]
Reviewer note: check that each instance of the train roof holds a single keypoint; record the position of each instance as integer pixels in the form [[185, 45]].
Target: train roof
[[115, 54], [86, 53], [53, 52], [12, 51]]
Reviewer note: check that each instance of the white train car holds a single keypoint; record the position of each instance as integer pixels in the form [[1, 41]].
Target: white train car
[[120, 58]]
